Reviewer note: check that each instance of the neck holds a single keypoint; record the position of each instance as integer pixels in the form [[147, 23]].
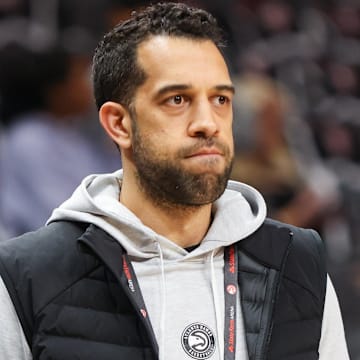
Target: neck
[[184, 225]]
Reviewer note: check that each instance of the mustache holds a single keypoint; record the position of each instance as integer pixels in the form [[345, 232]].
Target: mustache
[[205, 143]]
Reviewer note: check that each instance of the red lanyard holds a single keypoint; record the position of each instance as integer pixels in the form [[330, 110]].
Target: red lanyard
[[231, 292]]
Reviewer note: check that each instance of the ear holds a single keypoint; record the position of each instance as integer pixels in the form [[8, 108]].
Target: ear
[[116, 121]]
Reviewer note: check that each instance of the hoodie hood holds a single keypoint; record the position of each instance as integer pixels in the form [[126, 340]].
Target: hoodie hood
[[236, 214]]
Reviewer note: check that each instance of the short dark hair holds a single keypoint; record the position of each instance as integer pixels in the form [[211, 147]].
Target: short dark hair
[[116, 74]]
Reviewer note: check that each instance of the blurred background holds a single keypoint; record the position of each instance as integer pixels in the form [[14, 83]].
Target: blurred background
[[296, 68]]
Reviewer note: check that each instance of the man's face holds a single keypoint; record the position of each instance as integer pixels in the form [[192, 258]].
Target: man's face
[[182, 146]]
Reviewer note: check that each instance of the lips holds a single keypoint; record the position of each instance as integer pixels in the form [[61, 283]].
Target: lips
[[206, 152], [204, 147]]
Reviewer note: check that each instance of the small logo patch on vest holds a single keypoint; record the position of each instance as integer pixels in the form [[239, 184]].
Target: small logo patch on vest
[[198, 341]]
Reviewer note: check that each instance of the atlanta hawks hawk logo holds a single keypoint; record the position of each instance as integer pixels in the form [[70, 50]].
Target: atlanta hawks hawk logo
[[198, 341]]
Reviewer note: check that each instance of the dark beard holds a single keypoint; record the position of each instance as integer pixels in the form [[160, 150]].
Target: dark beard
[[169, 185]]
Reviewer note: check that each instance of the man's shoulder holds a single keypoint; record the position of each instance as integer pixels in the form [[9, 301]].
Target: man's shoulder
[[306, 238], [43, 247], [56, 229], [298, 234], [40, 266], [306, 256], [269, 222], [51, 233], [275, 241]]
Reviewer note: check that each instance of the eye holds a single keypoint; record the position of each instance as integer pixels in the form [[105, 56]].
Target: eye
[[221, 100], [176, 100]]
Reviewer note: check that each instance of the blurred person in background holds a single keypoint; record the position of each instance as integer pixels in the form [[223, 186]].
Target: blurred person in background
[[45, 148], [287, 176], [45, 103]]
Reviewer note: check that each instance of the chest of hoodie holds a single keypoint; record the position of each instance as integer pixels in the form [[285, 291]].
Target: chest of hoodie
[[184, 298]]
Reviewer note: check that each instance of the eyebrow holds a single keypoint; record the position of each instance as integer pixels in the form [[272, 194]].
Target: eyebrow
[[171, 88], [230, 88], [181, 87]]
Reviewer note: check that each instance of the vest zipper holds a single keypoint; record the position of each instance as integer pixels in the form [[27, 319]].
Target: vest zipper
[[274, 295]]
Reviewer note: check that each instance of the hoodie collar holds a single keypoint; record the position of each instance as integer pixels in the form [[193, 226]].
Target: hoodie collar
[[236, 214]]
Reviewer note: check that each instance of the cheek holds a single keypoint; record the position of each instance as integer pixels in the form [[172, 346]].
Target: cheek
[[228, 131], [229, 138], [150, 143]]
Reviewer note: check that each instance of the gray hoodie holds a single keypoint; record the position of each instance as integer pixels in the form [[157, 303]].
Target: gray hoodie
[[180, 288], [183, 291]]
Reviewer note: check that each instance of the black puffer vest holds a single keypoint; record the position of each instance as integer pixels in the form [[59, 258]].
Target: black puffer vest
[[72, 298]]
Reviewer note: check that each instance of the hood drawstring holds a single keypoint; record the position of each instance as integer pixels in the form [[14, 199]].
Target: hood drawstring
[[163, 305], [218, 312]]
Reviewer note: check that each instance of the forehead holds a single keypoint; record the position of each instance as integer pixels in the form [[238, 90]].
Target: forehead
[[181, 59]]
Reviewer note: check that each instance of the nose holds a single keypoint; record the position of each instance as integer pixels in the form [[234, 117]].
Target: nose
[[203, 121]]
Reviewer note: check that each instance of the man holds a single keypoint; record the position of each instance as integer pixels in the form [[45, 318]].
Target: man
[[158, 260]]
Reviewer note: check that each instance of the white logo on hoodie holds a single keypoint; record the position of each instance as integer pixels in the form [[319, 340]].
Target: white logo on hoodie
[[198, 341]]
